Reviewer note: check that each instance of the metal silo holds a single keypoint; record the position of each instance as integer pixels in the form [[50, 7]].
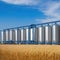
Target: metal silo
[[27, 34], [2, 36], [55, 34], [32, 30], [15, 35], [33, 35], [12, 34], [41, 35], [7, 35], [24, 34], [48, 34], [36, 35], [21, 34]]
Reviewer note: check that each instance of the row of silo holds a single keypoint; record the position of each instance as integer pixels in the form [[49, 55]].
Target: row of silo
[[42, 35], [16, 35], [7, 35]]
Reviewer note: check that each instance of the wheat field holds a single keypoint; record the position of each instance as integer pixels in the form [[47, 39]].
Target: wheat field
[[29, 52]]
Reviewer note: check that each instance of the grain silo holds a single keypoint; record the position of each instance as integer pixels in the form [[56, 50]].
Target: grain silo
[[55, 34], [48, 34], [2, 36], [27, 34], [33, 34], [7, 35], [36, 35], [12, 34], [41, 35], [19, 35], [23, 35]]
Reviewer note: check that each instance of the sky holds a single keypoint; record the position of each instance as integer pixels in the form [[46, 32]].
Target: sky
[[15, 13]]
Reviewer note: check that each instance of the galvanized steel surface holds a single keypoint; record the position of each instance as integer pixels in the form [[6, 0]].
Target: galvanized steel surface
[[55, 34], [48, 34], [41, 35]]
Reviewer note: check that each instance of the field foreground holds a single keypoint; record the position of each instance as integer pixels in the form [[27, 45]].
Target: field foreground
[[29, 52]]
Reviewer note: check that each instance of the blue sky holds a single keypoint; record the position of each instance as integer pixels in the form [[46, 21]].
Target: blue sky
[[15, 13]]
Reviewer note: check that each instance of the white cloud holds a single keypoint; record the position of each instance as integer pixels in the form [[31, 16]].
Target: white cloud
[[23, 2], [52, 11]]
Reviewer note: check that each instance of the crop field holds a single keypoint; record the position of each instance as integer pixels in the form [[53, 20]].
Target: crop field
[[29, 52]]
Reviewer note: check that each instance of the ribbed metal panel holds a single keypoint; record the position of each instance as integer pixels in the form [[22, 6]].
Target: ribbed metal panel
[[12, 35], [55, 34], [24, 34], [7, 35], [16, 35], [41, 35], [27, 34], [36, 35], [32, 34], [48, 34], [2, 37], [21, 34]]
